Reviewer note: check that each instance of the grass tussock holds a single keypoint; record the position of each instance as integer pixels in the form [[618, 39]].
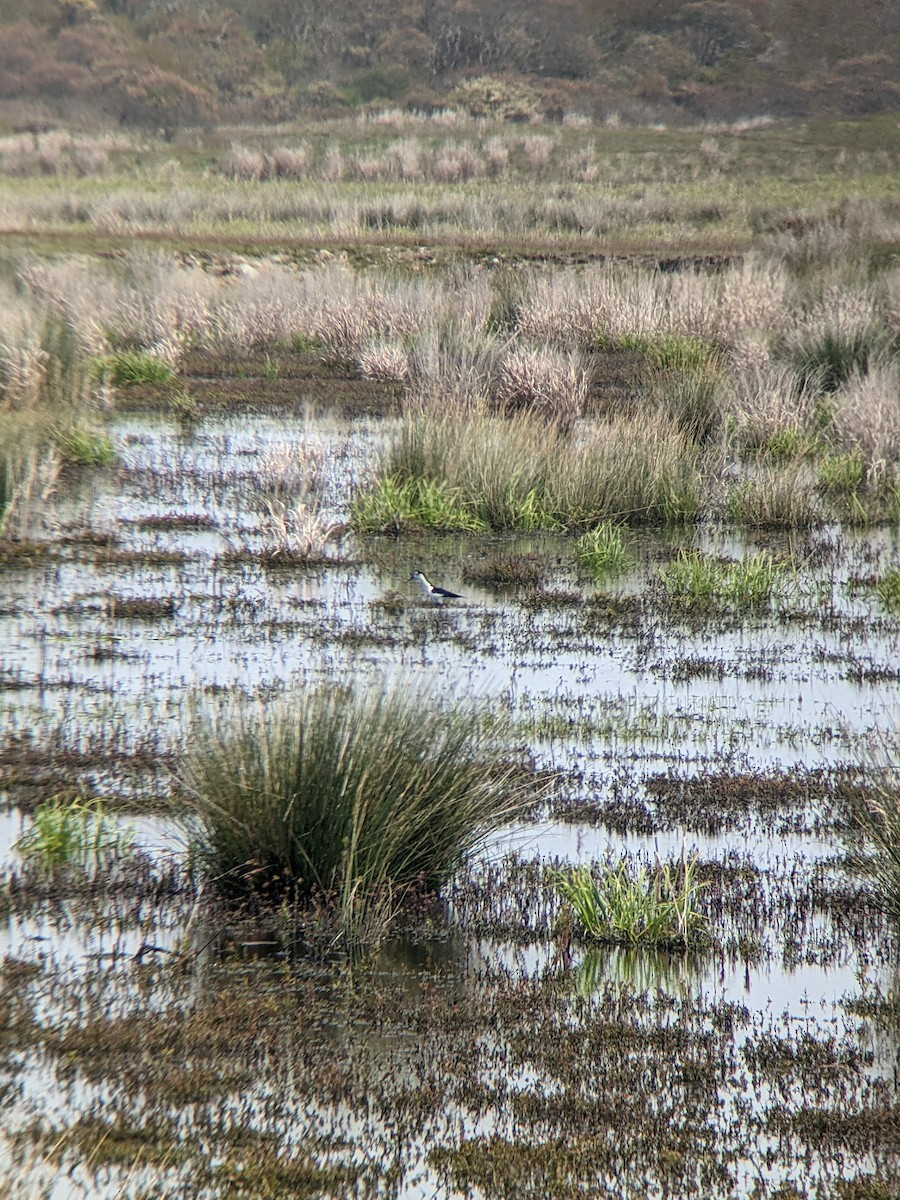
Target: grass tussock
[[876, 812], [642, 907], [697, 581], [128, 367], [602, 551], [45, 397], [73, 833], [519, 473], [351, 798], [776, 496]]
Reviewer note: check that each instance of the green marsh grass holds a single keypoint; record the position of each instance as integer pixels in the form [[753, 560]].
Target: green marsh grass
[[751, 583], [128, 367], [359, 798], [521, 473], [73, 833], [395, 505], [826, 358], [85, 447], [602, 551], [887, 589], [635, 907]]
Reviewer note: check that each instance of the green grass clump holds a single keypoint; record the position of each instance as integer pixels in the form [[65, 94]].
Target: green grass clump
[[128, 367], [673, 351], [619, 905], [355, 799], [842, 473], [877, 817], [602, 551], [73, 833], [887, 588], [788, 444], [85, 447], [695, 580], [395, 505]]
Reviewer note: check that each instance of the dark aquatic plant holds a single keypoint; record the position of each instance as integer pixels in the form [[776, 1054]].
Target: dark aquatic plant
[[357, 797]]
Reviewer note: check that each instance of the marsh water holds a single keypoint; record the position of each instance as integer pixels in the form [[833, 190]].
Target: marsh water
[[478, 1057]]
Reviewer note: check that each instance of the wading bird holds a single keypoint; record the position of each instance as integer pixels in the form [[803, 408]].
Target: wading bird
[[436, 593]]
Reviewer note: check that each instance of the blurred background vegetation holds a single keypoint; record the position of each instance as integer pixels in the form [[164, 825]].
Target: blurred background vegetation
[[136, 63]]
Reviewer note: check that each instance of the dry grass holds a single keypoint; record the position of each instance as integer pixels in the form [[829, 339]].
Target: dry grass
[[767, 399], [866, 416], [544, 380], [776, 497]]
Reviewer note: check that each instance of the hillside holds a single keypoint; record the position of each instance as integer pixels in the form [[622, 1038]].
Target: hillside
[[136, 64]]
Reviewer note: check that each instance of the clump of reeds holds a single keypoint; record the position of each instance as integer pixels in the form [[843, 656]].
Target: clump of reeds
[[635, 907], [776, 496], [355, 798], [129, 367], [544, 380], [44, 401], [766, 401], [838, 337], [875, 809], [866, 415], [384, 362]]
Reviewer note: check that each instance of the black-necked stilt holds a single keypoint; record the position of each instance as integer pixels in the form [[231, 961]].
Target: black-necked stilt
[[436, 593]]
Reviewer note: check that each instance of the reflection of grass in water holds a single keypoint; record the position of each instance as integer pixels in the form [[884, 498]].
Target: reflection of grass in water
[[67, 833], [632, 907], [643, 970]]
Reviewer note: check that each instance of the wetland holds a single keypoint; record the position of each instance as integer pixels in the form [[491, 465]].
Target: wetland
[[694, 663]]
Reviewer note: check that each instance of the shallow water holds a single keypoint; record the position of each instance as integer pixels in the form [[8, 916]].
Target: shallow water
[[606, 705]]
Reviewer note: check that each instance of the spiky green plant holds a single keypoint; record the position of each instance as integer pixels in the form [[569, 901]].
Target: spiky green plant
[[85, 447], [128, 367], [69, 832], [354, 796], [396, 504], [887, 588], [695, 580], [602, 551], [842, 473], [827, 357], [620, 904]]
